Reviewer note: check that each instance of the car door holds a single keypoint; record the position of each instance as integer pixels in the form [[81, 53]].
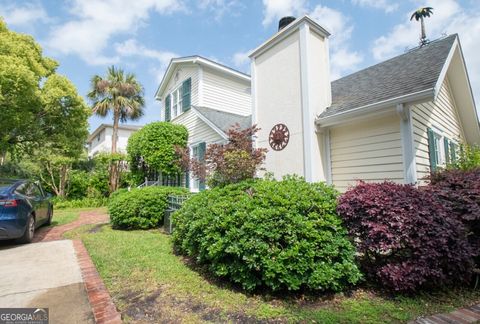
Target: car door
[[39, 203]]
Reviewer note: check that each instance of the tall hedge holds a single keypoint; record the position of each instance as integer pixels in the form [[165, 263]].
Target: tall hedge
[[152, 149], [405, 237], [280, 235]]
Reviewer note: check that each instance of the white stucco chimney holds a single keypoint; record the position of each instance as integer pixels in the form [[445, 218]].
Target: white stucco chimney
[[291, 86]]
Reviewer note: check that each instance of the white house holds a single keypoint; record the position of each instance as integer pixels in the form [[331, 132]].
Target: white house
[[395, 121], [206, 97], [101, 139]]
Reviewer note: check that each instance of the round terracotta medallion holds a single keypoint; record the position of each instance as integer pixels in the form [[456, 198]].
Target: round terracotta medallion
[[279, 137]]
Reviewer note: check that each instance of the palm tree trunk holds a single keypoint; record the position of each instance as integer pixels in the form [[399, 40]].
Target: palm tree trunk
[[424, 34], [113, 167], [116, 117]]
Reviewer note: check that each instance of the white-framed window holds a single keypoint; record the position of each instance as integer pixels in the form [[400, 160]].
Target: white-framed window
[[197, 152], [194, 182], [439, 150], [442, 149], [178, 100]]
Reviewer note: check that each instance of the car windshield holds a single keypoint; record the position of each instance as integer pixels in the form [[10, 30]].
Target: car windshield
[[5, 185]]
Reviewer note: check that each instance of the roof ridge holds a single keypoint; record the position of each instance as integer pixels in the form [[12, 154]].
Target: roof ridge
[[209, 60]]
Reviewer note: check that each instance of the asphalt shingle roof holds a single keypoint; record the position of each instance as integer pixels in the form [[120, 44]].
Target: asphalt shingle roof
[[224, 120], [414, 71]]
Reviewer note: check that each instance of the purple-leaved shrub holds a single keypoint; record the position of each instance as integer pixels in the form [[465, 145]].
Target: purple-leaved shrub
[[405, 237]]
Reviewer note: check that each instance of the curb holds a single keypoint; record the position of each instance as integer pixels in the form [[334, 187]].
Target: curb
[[103, 308]]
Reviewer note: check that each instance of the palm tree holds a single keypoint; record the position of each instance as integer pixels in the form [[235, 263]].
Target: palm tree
[[420, 14], [119, 93]]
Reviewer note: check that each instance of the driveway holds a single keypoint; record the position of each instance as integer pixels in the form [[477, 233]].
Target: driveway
[[42, 275]]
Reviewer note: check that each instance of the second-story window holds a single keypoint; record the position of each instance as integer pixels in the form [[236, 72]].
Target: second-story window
[[178, 101]]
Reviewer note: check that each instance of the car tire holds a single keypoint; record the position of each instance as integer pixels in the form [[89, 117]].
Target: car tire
[[29, 231], [50, 216]]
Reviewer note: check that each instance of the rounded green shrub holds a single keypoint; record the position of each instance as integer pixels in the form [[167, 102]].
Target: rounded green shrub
[[118, 192], [280, 235], [140, 208]]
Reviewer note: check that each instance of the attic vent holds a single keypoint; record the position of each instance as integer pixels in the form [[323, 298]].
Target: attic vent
[[284, 22]]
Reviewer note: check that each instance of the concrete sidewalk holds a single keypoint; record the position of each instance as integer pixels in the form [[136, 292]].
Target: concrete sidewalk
[[44, 275]]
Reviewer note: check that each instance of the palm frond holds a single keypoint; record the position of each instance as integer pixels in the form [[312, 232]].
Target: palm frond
[[118, 91], [102, 107]]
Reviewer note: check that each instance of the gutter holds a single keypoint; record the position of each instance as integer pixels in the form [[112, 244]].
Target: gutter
[[348, 115]]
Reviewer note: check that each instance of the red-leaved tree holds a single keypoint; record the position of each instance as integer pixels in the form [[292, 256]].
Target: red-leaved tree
[[232, 162]]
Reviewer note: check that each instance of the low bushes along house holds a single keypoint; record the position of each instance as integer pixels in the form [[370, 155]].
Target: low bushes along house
[[140, 208], [279, 235]]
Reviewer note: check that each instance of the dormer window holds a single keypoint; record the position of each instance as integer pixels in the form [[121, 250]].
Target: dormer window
[[178, 101]]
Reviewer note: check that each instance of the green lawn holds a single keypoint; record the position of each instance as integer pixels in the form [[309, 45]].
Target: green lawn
[[149, 283]]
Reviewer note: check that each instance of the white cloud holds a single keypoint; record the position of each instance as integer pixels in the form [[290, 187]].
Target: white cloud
[[276, 9], [241, 61], [448, 17], [386, 5], [131, 48], [343, 59], [24, 15], [97, 21], [219, 7]]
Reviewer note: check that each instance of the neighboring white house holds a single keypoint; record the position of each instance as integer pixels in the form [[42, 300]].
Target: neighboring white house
[[395, 121], [206, 97], [101, 139]]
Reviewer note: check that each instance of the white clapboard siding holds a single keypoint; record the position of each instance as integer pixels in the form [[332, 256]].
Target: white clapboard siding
[[181, 74], [369, 150], [226, 93], [441, 116], [198, 131]]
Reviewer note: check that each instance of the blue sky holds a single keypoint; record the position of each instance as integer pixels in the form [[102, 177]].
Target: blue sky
[[141, 36]]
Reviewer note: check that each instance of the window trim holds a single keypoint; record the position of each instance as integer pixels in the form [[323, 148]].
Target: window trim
[[194, 183], [439, 141], [179, 91]]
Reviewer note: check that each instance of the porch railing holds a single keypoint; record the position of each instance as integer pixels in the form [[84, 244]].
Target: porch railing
[[174, 204]]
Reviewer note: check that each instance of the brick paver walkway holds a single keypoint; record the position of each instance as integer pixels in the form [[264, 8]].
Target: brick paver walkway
[[103, 308], [44, 234], [462, 315]]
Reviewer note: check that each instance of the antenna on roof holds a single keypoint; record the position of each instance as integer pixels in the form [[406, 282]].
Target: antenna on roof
[[420, 14]]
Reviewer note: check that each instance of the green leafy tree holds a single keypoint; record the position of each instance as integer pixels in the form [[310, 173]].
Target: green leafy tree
[[66, 111], [468, 158], [421, 14], [121, 94], [23, 70], [152, 149]]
